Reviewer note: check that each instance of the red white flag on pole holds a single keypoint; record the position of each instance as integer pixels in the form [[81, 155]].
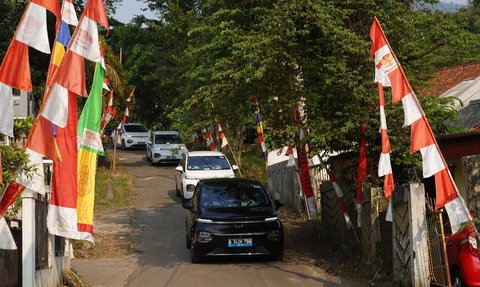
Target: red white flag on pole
[[422, 138]]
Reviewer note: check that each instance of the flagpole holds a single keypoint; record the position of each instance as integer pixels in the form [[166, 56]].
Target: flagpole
[[235, 159], [428, 124]]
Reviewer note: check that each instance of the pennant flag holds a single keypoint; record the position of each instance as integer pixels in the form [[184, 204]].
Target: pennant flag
[[8, 198], [291, 158], [90, 145], [109, 111], [68, 13], [62, 209], [223, 138], [384, 165], [6, 239], [15, 69], [86, 43], [422, 138], [41, 139], [259, 125], [33, 180], [63, 37], [71, 72], [6, 110], [362, 173], [33, 28]]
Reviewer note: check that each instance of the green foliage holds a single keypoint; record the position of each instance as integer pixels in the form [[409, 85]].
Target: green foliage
[[13, 159], [211, 57], [21, 127]]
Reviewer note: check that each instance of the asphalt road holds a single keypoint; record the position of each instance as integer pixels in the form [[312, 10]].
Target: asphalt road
[[162, 258]]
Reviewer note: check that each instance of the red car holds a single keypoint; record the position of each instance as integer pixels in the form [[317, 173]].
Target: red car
[[463, 258]]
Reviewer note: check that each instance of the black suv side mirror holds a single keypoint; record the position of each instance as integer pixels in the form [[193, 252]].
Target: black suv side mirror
[[277, 204]]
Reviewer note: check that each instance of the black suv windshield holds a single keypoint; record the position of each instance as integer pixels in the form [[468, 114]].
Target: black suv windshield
[[207, 163], [168, 139], [226, 195], [135, 129]]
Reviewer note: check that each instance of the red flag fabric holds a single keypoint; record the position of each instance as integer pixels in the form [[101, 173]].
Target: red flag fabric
[[95, 10], [362, 166], [52, 6], [62, 216], [387, 69], [422, 137], [41, 139], [72, 74], [8, 198], [15, 69]]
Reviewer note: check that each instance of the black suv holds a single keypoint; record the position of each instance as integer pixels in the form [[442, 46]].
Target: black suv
[[232, 217]]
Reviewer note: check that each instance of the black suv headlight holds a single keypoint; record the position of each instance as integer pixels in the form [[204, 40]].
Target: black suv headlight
[[204, 237]]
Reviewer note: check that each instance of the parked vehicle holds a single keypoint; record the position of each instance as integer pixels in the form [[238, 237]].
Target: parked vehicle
[[463, 258], [198, 165], [232, 217], [134, 135], [165, 146]]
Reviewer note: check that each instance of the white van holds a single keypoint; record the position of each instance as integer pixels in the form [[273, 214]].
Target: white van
[[165, 146]]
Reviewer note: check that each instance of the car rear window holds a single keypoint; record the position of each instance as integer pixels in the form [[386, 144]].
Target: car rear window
[[135, 129], [233, 195], [207, 163], [168, 139]]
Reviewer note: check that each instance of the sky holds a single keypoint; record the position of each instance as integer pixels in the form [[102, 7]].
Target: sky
[[131, 8]]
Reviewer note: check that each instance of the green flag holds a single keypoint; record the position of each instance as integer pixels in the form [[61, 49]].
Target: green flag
[[89, 122]]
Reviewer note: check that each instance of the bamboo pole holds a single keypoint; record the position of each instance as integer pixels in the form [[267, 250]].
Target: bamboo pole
[[444, 247]]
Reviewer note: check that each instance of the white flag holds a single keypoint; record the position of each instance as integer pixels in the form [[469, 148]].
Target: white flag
[[33, 28], [6, 110], [86, 42]]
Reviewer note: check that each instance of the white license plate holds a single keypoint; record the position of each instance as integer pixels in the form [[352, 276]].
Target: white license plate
[[240, 242]]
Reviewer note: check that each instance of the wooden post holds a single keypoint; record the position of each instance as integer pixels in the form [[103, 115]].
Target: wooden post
[[410, 249]]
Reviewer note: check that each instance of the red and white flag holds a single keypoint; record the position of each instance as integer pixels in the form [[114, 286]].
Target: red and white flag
[[422, 138], [71, 74], [62, 209]]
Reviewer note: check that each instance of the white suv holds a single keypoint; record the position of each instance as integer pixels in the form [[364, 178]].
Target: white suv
[[198, 165], [134, 135], [165, 146]]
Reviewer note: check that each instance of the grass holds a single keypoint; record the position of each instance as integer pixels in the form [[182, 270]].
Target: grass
[[113, 189]]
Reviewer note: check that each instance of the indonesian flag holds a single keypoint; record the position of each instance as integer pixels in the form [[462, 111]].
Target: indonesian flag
[[86, 43], [422, 138], [62, 210], [32, 31], [15, 68], [384, 164], [71, 74]]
